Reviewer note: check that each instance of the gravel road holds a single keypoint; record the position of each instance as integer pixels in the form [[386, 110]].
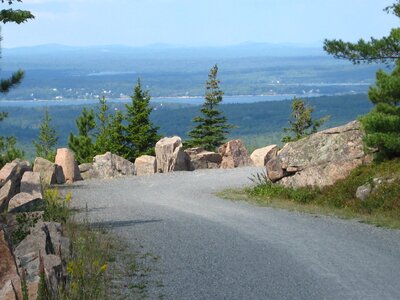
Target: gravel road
[[211, 248]]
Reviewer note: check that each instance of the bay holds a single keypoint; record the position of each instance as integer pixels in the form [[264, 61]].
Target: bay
[[156, 100]]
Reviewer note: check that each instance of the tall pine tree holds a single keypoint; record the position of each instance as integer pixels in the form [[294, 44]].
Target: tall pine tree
[[140, 133], [212, 127]]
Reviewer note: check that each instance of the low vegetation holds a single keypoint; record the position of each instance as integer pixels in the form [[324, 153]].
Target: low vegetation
[[99, 266], [381, 207]]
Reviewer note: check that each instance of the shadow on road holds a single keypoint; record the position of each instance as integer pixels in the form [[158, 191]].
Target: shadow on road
[[117, 224]]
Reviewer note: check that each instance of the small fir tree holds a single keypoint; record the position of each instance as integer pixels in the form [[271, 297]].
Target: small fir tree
[[301, 122], [82, 144], [103, 140], [140, 133], [46, 144], [116, 134], [212, 127]]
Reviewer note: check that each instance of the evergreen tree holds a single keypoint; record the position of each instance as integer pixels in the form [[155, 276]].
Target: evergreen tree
[[382, 124], [301, 122], [13, 16], [117, 134], [8, 150], [140, 133], [82, 144], [103, 140], [46, 144], [212, 127], [385, 49]]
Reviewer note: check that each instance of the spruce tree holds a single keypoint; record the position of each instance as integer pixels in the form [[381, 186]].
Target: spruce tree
[[140, 133], [301, 121], [117, 134], [212, 127], [46, 144], [382, 124], [8, 149], [103, 140], [82, 144], [13, 16]]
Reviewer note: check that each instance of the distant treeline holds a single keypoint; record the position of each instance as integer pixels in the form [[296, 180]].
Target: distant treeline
[[258, 124]]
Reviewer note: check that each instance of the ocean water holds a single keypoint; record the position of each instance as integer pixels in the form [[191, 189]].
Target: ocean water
[[158, 100]]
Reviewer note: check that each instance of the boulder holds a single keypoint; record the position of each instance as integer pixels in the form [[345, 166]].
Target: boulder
[[202, 159], [170, 155], [261, 156], [83, 168], [47, 170], [65, 158], [60, 178], [86, 171], [6, 193], [110, 165], [13, 171], [367, 189], [43, 248], [145, 165], [30, 184], [320, 159], [24, 202], [10, 283], [275, 171], [53, 270], [234, 154], [364, 191]]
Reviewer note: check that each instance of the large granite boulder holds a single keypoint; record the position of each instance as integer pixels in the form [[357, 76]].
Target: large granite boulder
[[145, 165], [234, 154], [261, 156], [44, 248], [24, 202], [320, 159], [13, 171], [110, 165], [65, 158], [31, 184], [170, 155], [87, 171], [10, 283], [6, 193], [47, 170], [202, 159]]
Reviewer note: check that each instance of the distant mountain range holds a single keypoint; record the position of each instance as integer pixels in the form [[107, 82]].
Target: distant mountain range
[[173, 51]]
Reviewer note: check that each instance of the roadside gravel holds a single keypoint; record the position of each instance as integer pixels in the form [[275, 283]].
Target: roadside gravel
[[211, 248]]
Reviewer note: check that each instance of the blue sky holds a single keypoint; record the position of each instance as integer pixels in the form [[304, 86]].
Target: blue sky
[[197, 22]]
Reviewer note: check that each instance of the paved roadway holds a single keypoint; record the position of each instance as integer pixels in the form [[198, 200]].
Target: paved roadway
[[211, 248]]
